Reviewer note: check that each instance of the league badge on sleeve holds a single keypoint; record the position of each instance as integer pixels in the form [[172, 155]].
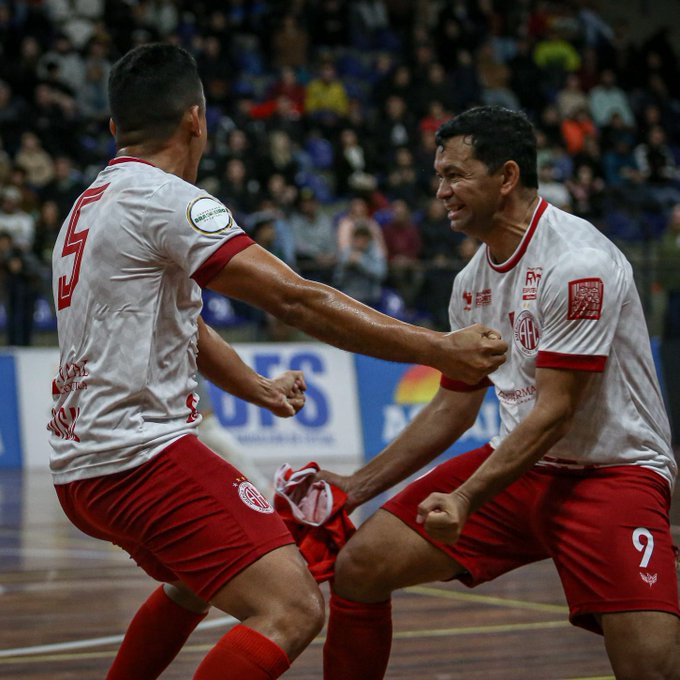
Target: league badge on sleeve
[[585, 298], [207, 215]]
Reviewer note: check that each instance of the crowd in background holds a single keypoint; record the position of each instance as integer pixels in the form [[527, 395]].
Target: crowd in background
[[322, 116]]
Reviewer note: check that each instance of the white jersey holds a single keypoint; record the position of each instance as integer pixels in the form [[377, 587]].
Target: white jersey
[[567, 299], [126, 272]]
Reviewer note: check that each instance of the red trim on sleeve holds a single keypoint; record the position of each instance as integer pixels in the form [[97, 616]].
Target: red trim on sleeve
[[576, 362], [460, 386], [218, 260]]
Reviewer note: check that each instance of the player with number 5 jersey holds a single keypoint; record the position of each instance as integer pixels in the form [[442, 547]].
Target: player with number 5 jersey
[[129, 265]]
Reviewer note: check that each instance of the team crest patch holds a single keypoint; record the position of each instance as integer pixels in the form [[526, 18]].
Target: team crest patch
[[585, 298], [252, 497], [526, 333], [207, 215]]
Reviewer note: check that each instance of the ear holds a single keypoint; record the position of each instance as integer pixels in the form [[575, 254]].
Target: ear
[[112, 128], [510, 177], [195, 121]]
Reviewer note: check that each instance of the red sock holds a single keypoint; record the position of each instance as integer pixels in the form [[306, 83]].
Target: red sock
[[153, 638], [243, 653], [358, 640]]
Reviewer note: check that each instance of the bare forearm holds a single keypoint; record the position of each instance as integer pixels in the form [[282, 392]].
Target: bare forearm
[[219, 363], [430, 433], [333, 317], [518, 452]]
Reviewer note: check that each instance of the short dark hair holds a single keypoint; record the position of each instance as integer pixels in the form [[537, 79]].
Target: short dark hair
[[498, 135], [150, 89]]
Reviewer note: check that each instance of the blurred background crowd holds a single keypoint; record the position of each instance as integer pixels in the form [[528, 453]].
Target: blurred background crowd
[[321, 119]]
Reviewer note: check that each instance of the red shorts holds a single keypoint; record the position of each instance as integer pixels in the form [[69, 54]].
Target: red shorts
[[185, 515], [607, 531]]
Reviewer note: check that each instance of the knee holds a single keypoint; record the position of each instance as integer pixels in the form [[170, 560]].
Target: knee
[[649, 661], [360, 574], [301, 617]]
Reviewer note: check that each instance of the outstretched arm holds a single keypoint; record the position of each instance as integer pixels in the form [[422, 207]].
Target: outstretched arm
[[429, 434], [558, 394], [260, 279], [218, 362]]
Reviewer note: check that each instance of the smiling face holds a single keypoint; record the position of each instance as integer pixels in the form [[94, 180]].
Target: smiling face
[[471, 194]]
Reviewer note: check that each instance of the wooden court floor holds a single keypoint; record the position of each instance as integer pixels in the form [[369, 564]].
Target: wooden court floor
[[66, 600]]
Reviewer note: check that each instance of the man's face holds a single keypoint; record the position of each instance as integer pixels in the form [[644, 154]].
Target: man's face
[[470, 194]]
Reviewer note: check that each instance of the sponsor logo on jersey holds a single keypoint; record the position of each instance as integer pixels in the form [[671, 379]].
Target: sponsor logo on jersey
[[252, 497], [71, 377], [518, 396], [483, 297], [192, 405], [649, 579], [526, 333], [585, 298], [531, 280], [467, 296], [207, 215]]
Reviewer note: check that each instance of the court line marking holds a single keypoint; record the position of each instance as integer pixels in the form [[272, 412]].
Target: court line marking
[[488, 599], [96, 642], [35, 654]]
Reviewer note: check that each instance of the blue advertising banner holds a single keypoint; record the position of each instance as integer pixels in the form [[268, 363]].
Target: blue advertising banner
[[10, 439], [391, 395], [328, 425]]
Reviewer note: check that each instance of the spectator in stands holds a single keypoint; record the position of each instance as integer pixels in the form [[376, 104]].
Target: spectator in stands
[[14, 221], [32, 157], [239, 191], [617, 130], [279, 156], [440, 262], [402, 179], [326, 100], [556, 57], [656, 162], [435, 87], [394, 127], [65, 187], [494, 77], [63, 65], [402, 238], [289, 86], [607, 98], [289, 43], [571, 98], [361, 267], [12, 117], [669, 274], [350, 160], [358, 213], [587, 194], [526, 77], [553, 190], [398, 81], [47, 228], [576, 128], [315, 242], [20, 275]]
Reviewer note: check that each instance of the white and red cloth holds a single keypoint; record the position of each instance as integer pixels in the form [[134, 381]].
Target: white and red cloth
[[315, 513]]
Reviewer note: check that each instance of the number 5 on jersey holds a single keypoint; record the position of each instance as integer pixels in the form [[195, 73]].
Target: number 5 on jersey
[[74, 244]]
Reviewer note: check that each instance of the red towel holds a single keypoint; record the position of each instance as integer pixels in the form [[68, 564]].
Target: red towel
[[315, 515]]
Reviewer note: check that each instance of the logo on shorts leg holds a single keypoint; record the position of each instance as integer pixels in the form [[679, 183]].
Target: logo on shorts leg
[[252, 497], [649, 579]]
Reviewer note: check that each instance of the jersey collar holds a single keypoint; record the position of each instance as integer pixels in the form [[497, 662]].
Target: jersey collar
[[129, 159], [523, 244]]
